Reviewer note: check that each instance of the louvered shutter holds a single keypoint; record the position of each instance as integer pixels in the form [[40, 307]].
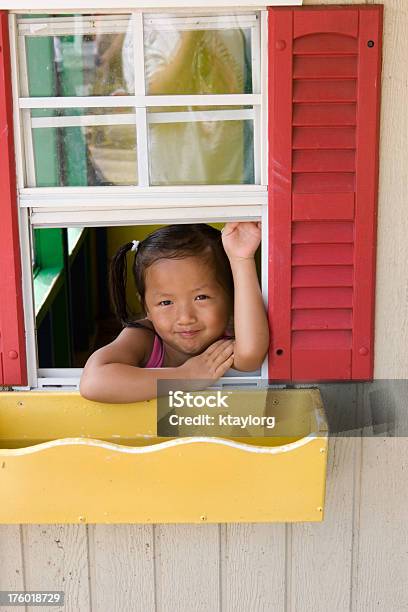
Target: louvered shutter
[[324, 98], [12, 342]]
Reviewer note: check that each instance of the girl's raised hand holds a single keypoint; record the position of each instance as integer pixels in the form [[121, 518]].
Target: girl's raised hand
[[241, 239], [211, 364]]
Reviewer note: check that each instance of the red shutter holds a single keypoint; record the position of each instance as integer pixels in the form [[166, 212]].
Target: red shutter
[[12, 341], [324, 80]]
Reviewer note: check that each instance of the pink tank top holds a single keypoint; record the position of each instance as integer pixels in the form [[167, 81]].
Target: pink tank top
[[156, 358], [157, 355]]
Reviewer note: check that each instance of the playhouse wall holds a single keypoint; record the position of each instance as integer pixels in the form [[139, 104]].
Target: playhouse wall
[[357, 559]]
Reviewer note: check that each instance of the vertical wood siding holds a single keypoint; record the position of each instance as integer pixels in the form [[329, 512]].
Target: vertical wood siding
[[113, 586]]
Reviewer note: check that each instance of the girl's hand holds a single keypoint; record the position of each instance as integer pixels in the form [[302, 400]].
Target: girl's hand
[[211, 364], [241, 239]]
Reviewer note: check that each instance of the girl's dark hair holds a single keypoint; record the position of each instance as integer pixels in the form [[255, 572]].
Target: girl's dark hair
[[169, 242]]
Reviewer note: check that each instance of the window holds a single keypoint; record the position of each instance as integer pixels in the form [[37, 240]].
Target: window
[[128, 119], [325, 70]]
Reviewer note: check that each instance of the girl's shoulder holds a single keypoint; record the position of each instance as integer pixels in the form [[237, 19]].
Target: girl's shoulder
[[135, 342]]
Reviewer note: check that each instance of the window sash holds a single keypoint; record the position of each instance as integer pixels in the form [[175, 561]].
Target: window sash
[[140, 101]]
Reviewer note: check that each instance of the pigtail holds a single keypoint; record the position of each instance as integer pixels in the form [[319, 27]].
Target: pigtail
[[117, 283]]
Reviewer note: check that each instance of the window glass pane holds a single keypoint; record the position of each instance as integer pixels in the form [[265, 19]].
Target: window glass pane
[[201, 146], [197, 61], [76, 65], [75, 154]]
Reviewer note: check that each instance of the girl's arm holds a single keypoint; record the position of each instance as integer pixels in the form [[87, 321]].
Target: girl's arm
[[240, 242], [113, 373]]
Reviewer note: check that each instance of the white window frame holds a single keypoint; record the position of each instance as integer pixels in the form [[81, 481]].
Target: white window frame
[[142, 204]]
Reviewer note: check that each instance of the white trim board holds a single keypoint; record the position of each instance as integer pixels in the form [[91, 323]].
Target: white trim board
[[80, 5]]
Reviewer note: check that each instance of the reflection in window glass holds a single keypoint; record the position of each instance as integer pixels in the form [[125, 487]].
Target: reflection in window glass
[[198, 62], [112, 154], [76, 65], [91, 56], [85, 155], [200, 148]]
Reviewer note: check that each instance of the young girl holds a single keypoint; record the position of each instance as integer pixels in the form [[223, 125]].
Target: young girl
[[195, 285]]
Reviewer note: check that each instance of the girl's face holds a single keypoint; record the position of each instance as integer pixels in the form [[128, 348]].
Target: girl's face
[[189, 309]]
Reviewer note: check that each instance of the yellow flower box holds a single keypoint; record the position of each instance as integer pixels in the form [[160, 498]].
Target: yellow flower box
[[64, 459]]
